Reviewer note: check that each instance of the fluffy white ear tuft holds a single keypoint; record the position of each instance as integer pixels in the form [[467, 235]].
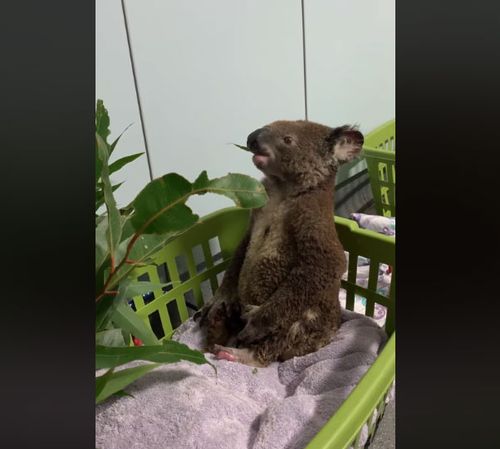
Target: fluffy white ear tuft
[[346, 142]]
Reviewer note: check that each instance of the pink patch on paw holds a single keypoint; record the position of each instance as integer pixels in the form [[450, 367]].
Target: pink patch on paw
[[224, 355]]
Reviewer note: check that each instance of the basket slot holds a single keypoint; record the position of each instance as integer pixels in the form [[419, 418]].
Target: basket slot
[[138, 301], [157, 326], [206, 290], [189, 303], [174, 313], [215, 250], [372, 286], [351, 281], [382, 172], [380, 313], [199, 258], [150, 275], [357, 441], [181, 263], [384, 193], [391, 310], [164, 277], [220, 277]]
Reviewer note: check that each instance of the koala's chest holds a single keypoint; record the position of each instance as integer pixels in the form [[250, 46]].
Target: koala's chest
[[269, 237], [269, 255]]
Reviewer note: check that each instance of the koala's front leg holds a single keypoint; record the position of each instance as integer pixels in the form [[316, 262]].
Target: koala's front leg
[[220, 313]]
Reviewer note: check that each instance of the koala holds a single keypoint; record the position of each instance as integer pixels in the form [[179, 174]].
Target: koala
[[279, 296]]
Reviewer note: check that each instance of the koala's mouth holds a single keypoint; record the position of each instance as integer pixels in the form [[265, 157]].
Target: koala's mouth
[[261, 157]]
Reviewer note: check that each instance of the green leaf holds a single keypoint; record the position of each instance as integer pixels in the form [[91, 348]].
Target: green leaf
[[135, 288], [146, 245], [125, 318], [99, 194], [245, 191], [116, 308], [102, 121], [110, 337], [98, 166], [114, 221], [101, 381], [242, 147], [118, 380], [101, 244], [144, 248], [169, 352], [160, 207], [127, 228], [113, 145], [117, 165], [104, 309], [99, 219], [123, 393]]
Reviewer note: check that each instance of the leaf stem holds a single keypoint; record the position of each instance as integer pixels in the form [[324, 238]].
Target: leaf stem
[[115, 269]]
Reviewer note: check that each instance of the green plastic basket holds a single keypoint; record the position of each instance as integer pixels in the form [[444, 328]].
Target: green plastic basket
[[195, 263], [380, 154]]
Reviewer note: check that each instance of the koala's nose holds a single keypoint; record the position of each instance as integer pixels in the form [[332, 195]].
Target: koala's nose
[[252, 142]]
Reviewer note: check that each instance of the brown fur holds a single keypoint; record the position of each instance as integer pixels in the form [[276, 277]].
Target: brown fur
[[279, 297]]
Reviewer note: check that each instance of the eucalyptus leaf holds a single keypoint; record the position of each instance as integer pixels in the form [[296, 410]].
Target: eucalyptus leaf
[[160, 207], [242, 147], [98, 166], [104, 309], [142, 251], [125, 318], [99, 194], [113, 145], [118, 380], [117, 165], [123, 393], [114, 221], [147, 244], [136, 288], [169, 352], [127, 228], [245, 191], [110, 337], [102, 121], [101, 381], [101, 244]]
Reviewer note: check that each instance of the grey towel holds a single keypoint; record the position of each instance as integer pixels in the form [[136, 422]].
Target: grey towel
[[186, 406]]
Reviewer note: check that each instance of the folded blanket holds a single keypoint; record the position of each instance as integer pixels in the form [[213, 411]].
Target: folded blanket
[[186, 406], [377, 223]]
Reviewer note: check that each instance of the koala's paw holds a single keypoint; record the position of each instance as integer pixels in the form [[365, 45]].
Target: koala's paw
[[255, 329], [214, 311], [248, 311]]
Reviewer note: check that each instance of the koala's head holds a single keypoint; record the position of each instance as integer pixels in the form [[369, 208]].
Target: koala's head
[[303, 152]]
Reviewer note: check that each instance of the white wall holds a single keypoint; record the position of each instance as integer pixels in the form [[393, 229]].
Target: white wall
[[350, 53], [210, 72], [115, 86]]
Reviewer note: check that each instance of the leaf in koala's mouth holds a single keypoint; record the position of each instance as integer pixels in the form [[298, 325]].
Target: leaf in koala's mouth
[[242, 147]]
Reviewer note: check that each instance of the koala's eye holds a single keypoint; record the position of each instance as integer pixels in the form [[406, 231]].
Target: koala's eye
[[288, 140]]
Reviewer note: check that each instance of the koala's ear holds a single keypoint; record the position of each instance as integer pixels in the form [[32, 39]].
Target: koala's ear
[[346, 143]]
